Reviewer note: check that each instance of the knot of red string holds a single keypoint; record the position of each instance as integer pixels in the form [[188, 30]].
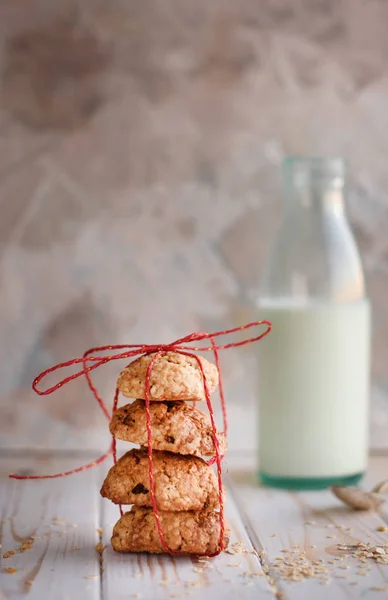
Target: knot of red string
[[90, 362]]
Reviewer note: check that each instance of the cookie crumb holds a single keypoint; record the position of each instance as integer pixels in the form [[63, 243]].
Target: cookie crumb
[[9, 570], [74, 548], [193, 583], [382, 528], [9, 553], [26, 545], [297, 567], [100, 547], [58, 521], [377, 588], [237, 548], [99, 530]]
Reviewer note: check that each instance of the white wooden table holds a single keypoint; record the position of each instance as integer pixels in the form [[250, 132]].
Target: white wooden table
[[66, 519]]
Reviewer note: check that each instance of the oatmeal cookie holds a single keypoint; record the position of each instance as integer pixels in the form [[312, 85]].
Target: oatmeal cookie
[[181, 482], [190, 532], [176, 426], [174, 377]]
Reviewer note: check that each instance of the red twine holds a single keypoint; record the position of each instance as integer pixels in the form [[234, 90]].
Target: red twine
[[133, 350]]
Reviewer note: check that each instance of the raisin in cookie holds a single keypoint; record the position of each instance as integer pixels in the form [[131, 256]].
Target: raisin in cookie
[[176, 426], [181, 482], [174, 377], [190, 532]]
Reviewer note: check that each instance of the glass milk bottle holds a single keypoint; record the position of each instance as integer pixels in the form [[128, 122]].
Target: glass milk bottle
[[314, 365]]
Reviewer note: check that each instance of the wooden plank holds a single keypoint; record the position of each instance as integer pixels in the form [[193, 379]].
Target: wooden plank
[[61, 515], [148, 577], [314, 522]]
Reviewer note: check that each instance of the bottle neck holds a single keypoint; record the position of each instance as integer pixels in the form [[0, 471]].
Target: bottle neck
[[315, 201], [314, 186], [314, 256]]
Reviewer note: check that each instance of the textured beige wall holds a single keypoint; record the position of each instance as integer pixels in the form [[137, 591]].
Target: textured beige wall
[[139, 183]]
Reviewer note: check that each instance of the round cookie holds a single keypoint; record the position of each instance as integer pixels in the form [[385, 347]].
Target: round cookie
[[176, 426], [174, 377], [181, 482], [189, 532]]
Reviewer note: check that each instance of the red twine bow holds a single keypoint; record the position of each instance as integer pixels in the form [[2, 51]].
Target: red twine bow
[[132, 350]]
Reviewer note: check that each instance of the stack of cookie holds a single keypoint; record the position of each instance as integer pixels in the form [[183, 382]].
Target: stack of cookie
[[186, 487]]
